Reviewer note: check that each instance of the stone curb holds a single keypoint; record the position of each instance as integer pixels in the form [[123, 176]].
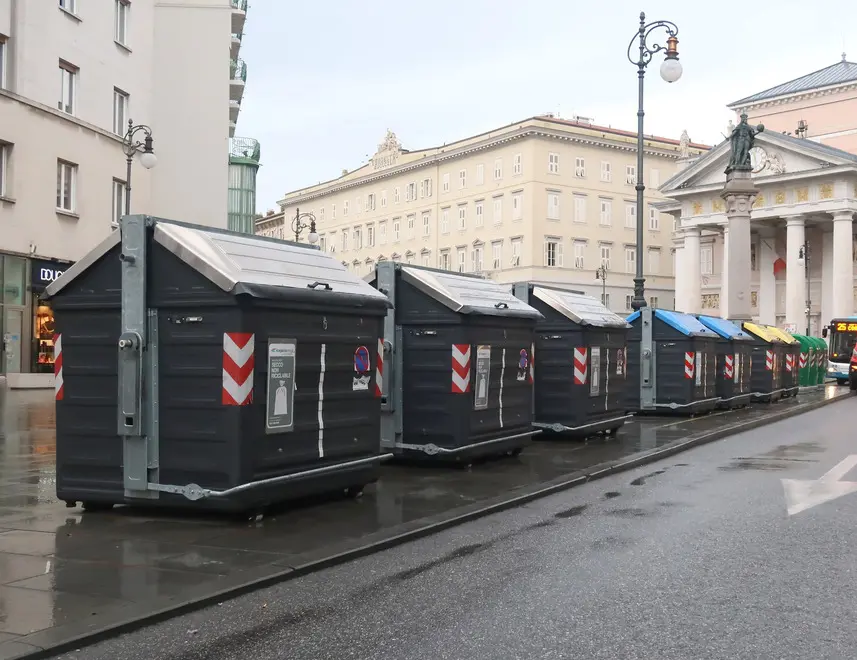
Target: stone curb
[[46, 645]]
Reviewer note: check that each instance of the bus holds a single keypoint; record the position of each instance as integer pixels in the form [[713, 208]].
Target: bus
[[841, 336]]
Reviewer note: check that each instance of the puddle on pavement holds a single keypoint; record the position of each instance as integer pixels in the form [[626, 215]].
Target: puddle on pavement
[[572, 512]]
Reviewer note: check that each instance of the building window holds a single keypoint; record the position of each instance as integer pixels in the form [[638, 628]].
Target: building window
[[358, 203], [654, 261], [628, 299], [2, 62], [118, 201], [123, 8], [498, 169], [396, 195], [370, 236], [579, 208], [462, 178], [606, 256], [553, 251], [654, 220], [344, 240], [322, 243], [462, 218], [426, 259], [753, 250], [606, 172], [333, 211], [653, 302], [476, 259], [120, 111], [69, 5], [497, 255], [411, 231], [630, 216], [382, 232], [396, 230], [654, 178], [370, 202], [480, 174], [705, 260], [517, 206], [66, 186], [445, 183], [68, 87], [444, 221], [480, 214], [411, 192], [5, 153], [605, 300], [579, 168], [462, 259], [517, 164], [358, 238], [631, 175], [553, 206], [498, 210], [517, 248], [553, 163], [409, 257], [579, 248], [345, 208], [321, 214], [426, 223], [425, 188], [443, 260], [630, 259], [606, 212]]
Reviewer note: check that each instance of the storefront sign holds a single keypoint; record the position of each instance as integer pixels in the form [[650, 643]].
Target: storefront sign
[[43, 272]]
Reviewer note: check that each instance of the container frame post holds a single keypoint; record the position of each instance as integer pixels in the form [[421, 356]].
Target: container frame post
[[648, 370], [391, 392], [521, 291]]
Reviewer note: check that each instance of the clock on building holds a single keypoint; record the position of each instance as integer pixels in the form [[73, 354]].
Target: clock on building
[[758, 159]]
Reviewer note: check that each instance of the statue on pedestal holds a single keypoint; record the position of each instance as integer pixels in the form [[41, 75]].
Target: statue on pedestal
[[742, 139]]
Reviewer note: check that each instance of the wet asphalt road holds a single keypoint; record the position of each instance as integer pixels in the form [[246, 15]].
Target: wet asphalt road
[[691, 557]]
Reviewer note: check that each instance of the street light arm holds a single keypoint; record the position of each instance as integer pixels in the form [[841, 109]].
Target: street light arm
[[130, 145], [646, 52]]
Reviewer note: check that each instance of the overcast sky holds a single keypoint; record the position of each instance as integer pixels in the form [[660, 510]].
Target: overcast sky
[[327, 78]]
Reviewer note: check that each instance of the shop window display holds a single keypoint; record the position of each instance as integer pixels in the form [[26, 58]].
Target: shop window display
[[43, 349]]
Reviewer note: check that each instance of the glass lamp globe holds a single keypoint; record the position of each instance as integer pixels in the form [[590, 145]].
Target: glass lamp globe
[[313, 238], [671, 69], [148, 159]]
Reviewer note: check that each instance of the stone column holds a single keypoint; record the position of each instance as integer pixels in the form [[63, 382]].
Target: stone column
[[767, 280], [679, 269], [692, 272], [827, 274], [724, 281], [843, 264], [739, 194], [795, 274]]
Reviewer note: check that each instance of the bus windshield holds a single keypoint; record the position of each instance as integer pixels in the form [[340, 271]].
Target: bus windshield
[[841, 345]]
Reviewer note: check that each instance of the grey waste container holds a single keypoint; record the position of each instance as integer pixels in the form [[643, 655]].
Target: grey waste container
[[457, 377], [212, 369], [579, 362]]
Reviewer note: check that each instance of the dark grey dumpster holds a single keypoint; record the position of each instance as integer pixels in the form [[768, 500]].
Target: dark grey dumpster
[[457, 371], [206, 368], [734, 358], [579, 363]]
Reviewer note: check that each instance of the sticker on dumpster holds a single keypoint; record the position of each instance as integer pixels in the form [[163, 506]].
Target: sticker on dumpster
[[698, 368], [483, 373], [523, 364], [594, 370], [279, 411], [620, 362], [362, 367]]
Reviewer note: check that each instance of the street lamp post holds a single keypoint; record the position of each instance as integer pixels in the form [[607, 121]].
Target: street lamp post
[[671, 70], [298, 226], [131, 146], [601, 274], [803, 260]]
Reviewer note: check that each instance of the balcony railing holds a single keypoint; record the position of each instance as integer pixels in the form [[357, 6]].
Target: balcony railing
[[239, 4], [241, 147], [237, 70]]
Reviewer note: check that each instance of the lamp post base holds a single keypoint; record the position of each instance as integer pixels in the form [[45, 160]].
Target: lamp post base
[[639, 300]]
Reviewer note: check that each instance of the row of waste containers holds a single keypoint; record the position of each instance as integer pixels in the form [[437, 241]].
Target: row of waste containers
[[202, 367]]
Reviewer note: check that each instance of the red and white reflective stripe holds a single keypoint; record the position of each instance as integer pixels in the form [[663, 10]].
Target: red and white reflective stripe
[[532, 376], [239, 359], [581, 367], [689, 365], [769, 360], [59, 391], [729, 366], [460, 368], [379, 370], [790, 362], [803, 360]]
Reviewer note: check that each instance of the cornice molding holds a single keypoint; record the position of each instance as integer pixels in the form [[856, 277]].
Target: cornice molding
[[468, 150]]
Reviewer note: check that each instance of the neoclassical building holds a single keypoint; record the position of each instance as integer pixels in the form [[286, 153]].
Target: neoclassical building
[[802, 242]]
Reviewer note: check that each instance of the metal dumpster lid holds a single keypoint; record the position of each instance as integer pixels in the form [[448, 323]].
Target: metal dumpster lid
[[467, 294], [686, 324], [579, 307], [782, 335], [242, 263], [762, 332], [723, 327]]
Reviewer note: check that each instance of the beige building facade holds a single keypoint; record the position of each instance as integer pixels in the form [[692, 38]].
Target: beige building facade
[[72, 73], [546, 200]]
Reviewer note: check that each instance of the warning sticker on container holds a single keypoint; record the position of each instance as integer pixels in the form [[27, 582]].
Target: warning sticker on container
[[362, 368], [698, 368], [523, 364], [620, 362], [279, 411], [483, 377], [594, 370]]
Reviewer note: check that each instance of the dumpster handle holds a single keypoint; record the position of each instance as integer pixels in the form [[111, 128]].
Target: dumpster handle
[[685, 405], [318, 284], [195, 492], [432, 449], [501, 305], [558, 428]]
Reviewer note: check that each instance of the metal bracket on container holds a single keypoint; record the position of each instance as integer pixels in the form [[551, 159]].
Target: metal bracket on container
[[674, 406], [196, 492], [433, 450], [762, 395], [647, 359], [737, 396], [559, 428]]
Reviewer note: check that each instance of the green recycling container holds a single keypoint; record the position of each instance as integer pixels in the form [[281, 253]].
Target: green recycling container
[[806, 368], [821, 359]]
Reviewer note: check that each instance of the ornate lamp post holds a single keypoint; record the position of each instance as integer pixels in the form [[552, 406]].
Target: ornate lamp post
[[671, 70], [131, 146], [298, 226], [601, 274], [803, 260]]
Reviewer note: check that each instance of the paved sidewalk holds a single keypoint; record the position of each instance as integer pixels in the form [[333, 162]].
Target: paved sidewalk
[[65, 574]]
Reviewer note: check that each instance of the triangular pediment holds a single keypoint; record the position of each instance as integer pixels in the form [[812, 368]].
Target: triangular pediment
[[778, 156]]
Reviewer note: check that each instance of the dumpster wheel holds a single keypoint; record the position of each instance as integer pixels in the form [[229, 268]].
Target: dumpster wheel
[[354, 492], [516, 451]]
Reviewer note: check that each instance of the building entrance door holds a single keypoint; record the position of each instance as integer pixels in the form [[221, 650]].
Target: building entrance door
[[12, 329]]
